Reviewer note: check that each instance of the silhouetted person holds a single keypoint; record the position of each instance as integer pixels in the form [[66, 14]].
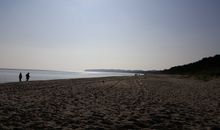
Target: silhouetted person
[[20, 77], [27, 76]]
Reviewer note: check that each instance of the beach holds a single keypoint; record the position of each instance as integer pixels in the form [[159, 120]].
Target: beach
[[149, 102]]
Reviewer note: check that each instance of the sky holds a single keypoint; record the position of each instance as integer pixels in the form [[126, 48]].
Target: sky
[[74, 35]]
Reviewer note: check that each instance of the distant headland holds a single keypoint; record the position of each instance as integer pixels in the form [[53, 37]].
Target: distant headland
[[206, 66], [115, 70]]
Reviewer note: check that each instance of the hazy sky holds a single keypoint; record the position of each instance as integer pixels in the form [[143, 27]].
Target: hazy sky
[[75, 35]]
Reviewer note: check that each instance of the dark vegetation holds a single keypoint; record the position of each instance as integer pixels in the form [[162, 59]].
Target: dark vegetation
[[205, 68]]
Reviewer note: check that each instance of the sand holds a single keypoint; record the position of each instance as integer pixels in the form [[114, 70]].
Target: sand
[[145, 102]]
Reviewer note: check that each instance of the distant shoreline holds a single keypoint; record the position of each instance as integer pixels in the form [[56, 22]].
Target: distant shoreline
[[116, 70]]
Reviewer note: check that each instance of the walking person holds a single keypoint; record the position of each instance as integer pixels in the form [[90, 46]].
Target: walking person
[[27, 76], [20, 77]]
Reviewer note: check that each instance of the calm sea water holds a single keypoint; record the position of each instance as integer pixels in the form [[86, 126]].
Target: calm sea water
[[11, 75]]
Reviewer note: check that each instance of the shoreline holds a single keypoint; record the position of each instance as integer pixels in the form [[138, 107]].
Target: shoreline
[[81, 78], [7, 76]]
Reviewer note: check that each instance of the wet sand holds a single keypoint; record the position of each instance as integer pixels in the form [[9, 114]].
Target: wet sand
[[151, 102]]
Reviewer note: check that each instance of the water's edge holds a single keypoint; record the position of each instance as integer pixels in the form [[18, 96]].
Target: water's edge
[[11, 75]]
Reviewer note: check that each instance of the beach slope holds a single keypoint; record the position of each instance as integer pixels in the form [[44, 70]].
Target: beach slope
[[141, 102]]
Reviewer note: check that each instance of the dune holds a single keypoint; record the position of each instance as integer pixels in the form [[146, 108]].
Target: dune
[[142, 102]]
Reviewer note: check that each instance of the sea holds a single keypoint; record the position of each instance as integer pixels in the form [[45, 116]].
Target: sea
[[11, 75]]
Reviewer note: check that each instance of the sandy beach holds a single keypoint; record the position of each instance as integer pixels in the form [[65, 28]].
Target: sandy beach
[[151, 102]]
